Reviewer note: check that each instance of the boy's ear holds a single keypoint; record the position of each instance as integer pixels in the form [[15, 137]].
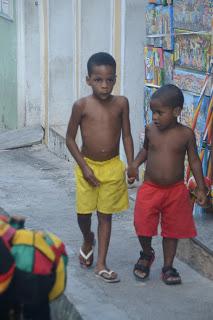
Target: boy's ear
[[177, 111], [88, 80]]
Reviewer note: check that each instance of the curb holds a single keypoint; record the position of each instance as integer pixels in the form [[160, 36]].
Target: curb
[[63, 309], [197, 256]]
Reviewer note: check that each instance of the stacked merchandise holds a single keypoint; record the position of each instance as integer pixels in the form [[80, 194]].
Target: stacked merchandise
[[178, 50]]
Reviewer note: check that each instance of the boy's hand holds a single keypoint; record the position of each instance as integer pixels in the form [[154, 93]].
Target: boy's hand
[[132, 174], [90, 177], [201, 198]]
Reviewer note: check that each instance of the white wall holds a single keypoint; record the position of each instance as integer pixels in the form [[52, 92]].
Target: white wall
[[133, 67], [76, 30], [32, 64], [61, 61], [96, 34]]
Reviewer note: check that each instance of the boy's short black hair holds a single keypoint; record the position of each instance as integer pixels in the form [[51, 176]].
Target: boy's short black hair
[[98, 59], [170, 95]]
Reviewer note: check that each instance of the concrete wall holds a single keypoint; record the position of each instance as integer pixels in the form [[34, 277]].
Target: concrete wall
[[96, 34], [133, 66], [55, 40], [32, 64], [61, 60], [8, 78]]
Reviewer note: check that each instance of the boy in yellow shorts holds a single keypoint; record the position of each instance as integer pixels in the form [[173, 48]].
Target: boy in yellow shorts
[[100, 174]]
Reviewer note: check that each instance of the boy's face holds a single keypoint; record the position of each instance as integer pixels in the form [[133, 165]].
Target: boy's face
[[102, 81], [163, 116]]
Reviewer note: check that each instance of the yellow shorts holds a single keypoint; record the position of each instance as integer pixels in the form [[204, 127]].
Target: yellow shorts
[[110, 196]]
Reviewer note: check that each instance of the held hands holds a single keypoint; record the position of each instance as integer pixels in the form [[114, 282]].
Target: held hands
[[90, 177], [132, 174], [201, 198]]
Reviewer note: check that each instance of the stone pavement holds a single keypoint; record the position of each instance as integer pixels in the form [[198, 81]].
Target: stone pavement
[[37, 184]]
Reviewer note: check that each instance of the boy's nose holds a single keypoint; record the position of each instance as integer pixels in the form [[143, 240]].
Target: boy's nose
[[104, 84], [154, 116]]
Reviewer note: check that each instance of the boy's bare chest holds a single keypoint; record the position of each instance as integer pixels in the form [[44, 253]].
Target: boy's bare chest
[[102, 115], [167, 143]]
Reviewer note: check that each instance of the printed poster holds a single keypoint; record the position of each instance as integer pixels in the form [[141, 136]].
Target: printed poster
[[153, 60], [193, 15], [167, 20], [193, 51], [190, 81], [187, 114], [168, 58], [148, 92]]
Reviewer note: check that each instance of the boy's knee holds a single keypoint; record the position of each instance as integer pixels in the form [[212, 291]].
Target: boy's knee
[[104, 217], [84, 217]]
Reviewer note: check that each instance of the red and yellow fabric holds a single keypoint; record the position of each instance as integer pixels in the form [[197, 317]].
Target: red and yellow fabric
[[7, 263]]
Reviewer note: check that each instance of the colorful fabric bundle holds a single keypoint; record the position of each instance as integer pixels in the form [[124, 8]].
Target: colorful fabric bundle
[[41, 262], [35, 260]]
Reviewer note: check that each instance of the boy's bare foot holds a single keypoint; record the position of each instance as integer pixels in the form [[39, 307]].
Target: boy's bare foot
[[86, 252]]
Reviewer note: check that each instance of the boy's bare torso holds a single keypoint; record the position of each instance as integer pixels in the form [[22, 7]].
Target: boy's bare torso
[[101, 125], [166, 154]]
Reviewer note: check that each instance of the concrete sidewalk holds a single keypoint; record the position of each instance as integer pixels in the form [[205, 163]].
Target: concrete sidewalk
[[37, 184]]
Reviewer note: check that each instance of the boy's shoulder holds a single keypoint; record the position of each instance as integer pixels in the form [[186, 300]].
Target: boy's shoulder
[[120, 100], [82, 101], [181, 128], [185, 129]]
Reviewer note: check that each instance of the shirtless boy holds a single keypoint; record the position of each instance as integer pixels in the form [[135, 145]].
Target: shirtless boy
[[100, 174], [163, 195]]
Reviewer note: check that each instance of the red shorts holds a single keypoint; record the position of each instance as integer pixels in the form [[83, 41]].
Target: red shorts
[[169, 205]]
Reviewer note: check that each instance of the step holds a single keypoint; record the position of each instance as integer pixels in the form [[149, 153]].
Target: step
[[24, 137], [57, 142]]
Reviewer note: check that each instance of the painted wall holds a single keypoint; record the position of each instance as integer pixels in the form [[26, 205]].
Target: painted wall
[[8, 74]]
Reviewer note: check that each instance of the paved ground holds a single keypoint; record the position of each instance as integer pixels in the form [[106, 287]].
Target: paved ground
[[40, 186]]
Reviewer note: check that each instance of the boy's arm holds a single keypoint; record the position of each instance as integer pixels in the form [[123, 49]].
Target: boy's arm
[[140, 158], [72, 129], [126, 133], [196, 167]]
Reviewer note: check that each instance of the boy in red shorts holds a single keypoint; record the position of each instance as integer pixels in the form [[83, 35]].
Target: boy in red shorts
[[163, 196]]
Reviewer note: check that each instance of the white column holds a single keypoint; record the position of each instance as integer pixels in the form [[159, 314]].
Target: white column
[[20, 64]]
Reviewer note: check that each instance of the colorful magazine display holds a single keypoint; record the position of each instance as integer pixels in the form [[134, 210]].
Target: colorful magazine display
[[167, 20], [153, 58], [168, 58], [147, 112]]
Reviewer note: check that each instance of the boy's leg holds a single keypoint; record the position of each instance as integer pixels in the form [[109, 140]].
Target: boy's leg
[[170, 274], [84, 222], [142, 267], [104, 233], [169, 251]]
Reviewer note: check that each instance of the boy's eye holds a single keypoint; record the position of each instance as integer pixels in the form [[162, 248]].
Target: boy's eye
[[99, 80]]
